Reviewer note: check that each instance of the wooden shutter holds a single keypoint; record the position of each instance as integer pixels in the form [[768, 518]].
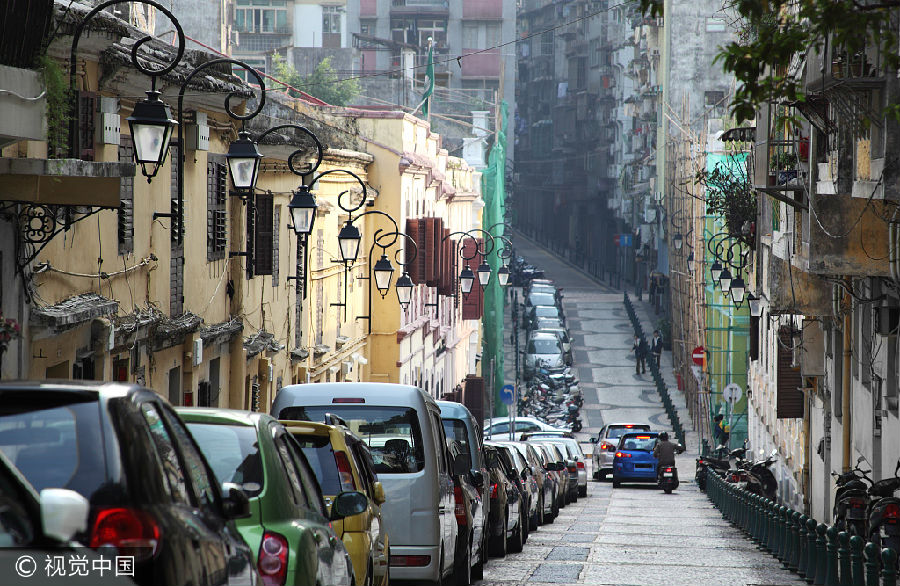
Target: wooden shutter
[[125, 224], [427, 251], [789, 403], [412, 229], [473, 397], [87, 118], [421, 226], [216, 195], [754, 338], [263, 257], [473, 303], [433, 243]]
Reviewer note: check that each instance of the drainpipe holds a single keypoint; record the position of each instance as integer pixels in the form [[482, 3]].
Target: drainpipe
[[846, 416]]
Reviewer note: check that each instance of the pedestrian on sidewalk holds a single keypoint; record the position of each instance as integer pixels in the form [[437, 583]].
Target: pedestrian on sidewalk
[[640, 355], [656, 346]]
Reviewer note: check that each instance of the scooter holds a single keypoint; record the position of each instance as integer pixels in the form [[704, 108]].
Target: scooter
[[760, 479], [667, 478], [851, 500], [884, 512]]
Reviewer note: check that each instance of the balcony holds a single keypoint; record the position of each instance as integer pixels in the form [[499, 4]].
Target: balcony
[[480, 65], [420, 7], [482, 9], [63, 181]]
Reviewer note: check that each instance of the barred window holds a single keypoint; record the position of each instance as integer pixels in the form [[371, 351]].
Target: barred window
[[216, 196], [126, 199]]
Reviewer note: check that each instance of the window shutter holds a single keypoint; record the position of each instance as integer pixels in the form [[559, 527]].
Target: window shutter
[[473, 397], [276, 243], [754, 338], [789, 403], [263, 256], [422, 230], [87, 116], [216, 194], [473, 303], [126, 199], [412, 229], [445, 278], [427, 251], [250, 247]]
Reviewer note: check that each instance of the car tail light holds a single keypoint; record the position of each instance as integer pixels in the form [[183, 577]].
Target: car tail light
[[132, 532], [609, 447], [344, 471], [494, 491], [273, 562], [460, 508], [580, 465], [622, 455], [410, 561], [857, 503], [892, 514], [668, 469], [348, 400]]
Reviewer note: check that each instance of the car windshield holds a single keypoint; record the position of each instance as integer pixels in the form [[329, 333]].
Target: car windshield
[[541, 299], [637, 443], [54, 439], [392, 433], [455, 430], [318, 451], [543, 346], [233, 453], [617, 432]]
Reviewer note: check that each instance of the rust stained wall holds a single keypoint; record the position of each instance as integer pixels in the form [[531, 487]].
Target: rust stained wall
[[863, 249], [794, 291]]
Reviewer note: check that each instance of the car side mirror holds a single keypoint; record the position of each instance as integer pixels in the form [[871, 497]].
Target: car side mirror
[[477, 478], [348, 503], [378, 493], [235, 504], [64, 513], [594, 440], [462, 463]]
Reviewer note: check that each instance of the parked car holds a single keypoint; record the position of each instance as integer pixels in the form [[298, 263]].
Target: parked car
[[402, 426], [634, 460], [341, 461], [498, 427], [573, 448], [545, 483], [152, 493], [555, 476], [532, 299], [506, 530], [547, 323], [551, 311], [606, 442], [561, 461], [542, 349], [563, 335], [470, 489], [289, 527], [569, 465], [526, 482]]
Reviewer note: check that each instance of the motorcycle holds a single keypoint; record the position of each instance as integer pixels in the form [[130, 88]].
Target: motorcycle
[[851, 500], [718, 465], [760, 479], [667, 478], [884, 512], [573, 419]]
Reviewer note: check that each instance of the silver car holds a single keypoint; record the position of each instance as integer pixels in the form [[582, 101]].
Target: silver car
[[563, 336], [606, 442], [543, 349], [566, 441]]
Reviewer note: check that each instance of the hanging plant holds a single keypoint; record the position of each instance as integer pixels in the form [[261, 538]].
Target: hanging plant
[[59, 104], [730, 195]]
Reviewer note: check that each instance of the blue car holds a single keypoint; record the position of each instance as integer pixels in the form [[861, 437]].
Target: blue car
[[634, 460]]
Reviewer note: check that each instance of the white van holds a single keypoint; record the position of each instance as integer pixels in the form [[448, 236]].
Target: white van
[[402, 426]]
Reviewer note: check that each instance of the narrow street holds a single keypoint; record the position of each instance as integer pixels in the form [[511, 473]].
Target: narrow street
[[634, 534]]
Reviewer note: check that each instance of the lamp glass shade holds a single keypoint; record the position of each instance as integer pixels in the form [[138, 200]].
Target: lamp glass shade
[[484, 274], [690, 262], [404, 288], [503, 276], [678, 240], [151, 126], [466, 280], [725, 281], [348, 241], [383, 271], [738, 289], [715, 270], [243, 161], [755, 305], [303, 210]]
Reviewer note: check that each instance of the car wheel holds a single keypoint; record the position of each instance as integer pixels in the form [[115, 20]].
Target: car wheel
[[526, 527], [518, 540], [616, 483], [462, 572], [478, 569], [597, 475], [582, 491], [668, 490], [498, 544]]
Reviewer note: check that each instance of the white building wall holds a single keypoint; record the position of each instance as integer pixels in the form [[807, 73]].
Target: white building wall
[[308, 25]]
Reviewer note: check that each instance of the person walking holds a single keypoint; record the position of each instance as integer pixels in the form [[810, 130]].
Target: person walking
[[656, 345], [640, 354]]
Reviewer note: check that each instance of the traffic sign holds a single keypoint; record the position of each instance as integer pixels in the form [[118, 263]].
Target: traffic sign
[[699, 356], [508, 394], [616, 239], [732, 393]]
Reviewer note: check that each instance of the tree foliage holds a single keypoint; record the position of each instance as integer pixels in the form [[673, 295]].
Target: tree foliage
[[776, 36], [730, 194], [322, 83]]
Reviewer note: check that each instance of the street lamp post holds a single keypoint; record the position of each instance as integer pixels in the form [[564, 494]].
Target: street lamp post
[[383, 270]]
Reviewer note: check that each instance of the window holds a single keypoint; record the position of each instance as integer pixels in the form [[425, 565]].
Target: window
[[331, 19], [126, 198], [204, 491], [261, 16], [233, 453], [547, 43], [165, 449], [216, 196], [320, 455], [263, 225], [367, 27], [290, 469]]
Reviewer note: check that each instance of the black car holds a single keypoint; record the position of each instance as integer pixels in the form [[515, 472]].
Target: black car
[[507, 532], [152, 494], [526, 482]]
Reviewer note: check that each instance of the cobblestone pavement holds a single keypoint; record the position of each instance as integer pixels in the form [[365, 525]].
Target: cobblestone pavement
[[635, 534]]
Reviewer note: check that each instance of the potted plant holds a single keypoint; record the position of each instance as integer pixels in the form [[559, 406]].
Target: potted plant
[[783, 164]]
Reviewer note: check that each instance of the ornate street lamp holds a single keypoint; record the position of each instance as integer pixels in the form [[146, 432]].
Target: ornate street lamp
[[725, 281], [383, 270], [755, 305], [503, 275], [303, 211], [151, 126], [466, 280], [737, 289], [404, 289], [484, 275], [715, 271], [690, 262], [348, 241], [243, 161], [677, 240]]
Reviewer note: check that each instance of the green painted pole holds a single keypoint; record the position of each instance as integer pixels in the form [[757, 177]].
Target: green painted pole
[[803, 553], [795, 541], [811, 550], [779, 532], [888, 567], [831, 571], [844, 558], [872, 561], [821, 554], [754, 518], [857, 573], [786, 553]]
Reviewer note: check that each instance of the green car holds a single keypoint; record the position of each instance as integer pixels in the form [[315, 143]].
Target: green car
[[289, 527]]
